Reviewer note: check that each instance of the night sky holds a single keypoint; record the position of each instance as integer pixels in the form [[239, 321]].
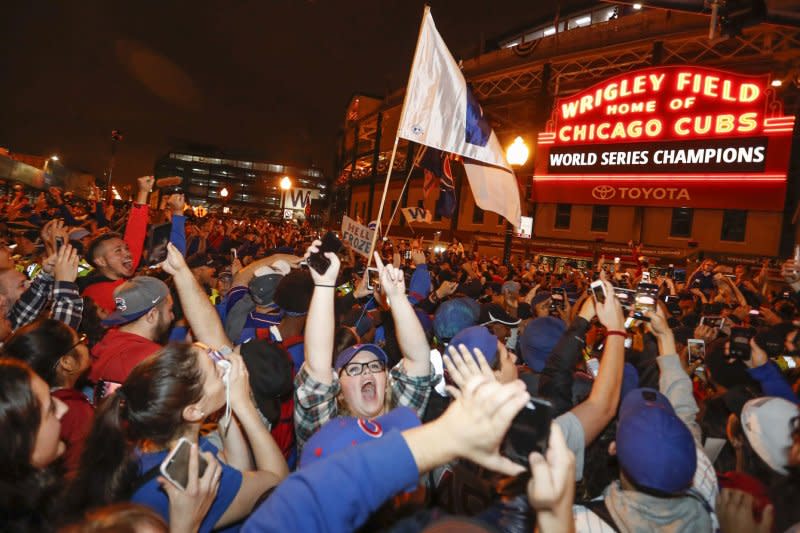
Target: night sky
[[267, 78]]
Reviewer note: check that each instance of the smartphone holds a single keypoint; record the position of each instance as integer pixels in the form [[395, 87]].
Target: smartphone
[[712, 321], [740, 342], [529, 432], [787, 362], [593, 366], [175, 467], [645, 300], [234, 255], [625, 296], [407, 254], [373, 278], [556, 301], [317, 261], [679, 275], [59, 243], [157, 239], [696, 349], [559, 296], [598, 289], [645, 276]]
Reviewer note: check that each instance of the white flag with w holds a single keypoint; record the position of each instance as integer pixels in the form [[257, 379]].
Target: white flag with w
[[440, 111]]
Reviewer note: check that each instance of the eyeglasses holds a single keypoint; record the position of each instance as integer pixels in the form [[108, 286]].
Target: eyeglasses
[[356, 369], [82, 338]]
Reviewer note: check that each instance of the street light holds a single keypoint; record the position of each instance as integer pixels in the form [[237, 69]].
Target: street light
[[517, 153], [54, 157], [224, 192], [286, 184]]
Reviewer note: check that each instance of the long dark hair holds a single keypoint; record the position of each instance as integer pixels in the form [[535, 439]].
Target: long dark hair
[[41, 344], [147, 407], [26, 492]]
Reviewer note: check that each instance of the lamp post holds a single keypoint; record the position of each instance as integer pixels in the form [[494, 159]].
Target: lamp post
[[224, 194], [286, 184], [116, 136], [517, 155]]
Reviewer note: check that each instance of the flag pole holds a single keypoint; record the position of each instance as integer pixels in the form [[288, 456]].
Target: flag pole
[[397, 207], [383, 201], [425, 12]]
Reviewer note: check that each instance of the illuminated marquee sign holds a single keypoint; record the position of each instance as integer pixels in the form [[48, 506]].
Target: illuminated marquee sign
[[667, 136]]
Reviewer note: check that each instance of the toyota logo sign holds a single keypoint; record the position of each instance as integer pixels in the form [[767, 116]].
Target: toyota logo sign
[[604, 192]]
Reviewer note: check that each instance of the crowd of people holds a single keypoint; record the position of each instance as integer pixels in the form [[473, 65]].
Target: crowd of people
[[162, 371]]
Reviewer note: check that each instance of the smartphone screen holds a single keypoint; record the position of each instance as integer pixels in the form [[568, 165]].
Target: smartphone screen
[[696, 349], [529, 432], [373, 278], [740, 342], [712, 321], [598, 291], [176, 466], [645, 299], [645, 277], [625, 296]]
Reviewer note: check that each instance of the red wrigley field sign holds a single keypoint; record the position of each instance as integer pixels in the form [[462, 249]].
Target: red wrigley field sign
[[668, 136]]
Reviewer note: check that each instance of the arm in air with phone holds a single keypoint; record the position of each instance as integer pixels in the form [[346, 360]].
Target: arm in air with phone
[[600, 407]]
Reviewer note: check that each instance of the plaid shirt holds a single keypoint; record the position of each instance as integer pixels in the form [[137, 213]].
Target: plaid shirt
[[68, 304], [67, 307], [32, 301], [315, 402]]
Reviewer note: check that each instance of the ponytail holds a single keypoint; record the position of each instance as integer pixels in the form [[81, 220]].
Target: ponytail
[[148, 407], [108, 468]]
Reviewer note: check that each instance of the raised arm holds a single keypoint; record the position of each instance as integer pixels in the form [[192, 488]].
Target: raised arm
[[177, 234], [674, 382], [600, 407], [410, 335], [136, 227], [320, 320], [197, 308]]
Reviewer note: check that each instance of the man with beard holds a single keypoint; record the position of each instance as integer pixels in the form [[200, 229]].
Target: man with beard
[[143, 316], [115, 258]]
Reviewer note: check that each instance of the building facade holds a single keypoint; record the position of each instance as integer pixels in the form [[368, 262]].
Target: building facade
[[668, 212], [213, 180]]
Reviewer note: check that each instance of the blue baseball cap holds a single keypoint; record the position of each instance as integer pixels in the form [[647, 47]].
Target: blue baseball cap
[[477, 337], [342, 432], [655, 449], [454, 315], [539, 339], [347, 354]]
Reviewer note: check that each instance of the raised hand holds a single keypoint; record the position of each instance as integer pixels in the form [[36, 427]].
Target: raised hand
[[66, 264], [462, 365], [330, 275], [551, 488], [174, 262], [188, 508], [393, 281], [609, 313]]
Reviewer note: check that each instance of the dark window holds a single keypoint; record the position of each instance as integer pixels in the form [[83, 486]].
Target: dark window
[[355, 210], [477, 215], [681, 225], [734, 223], [563, 215], [600, 218], [500, 220]]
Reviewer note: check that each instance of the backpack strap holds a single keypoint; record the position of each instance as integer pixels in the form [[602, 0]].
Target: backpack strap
[[599, 508]]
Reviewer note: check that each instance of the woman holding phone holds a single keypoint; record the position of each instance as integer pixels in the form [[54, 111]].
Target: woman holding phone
[[167, 397]]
